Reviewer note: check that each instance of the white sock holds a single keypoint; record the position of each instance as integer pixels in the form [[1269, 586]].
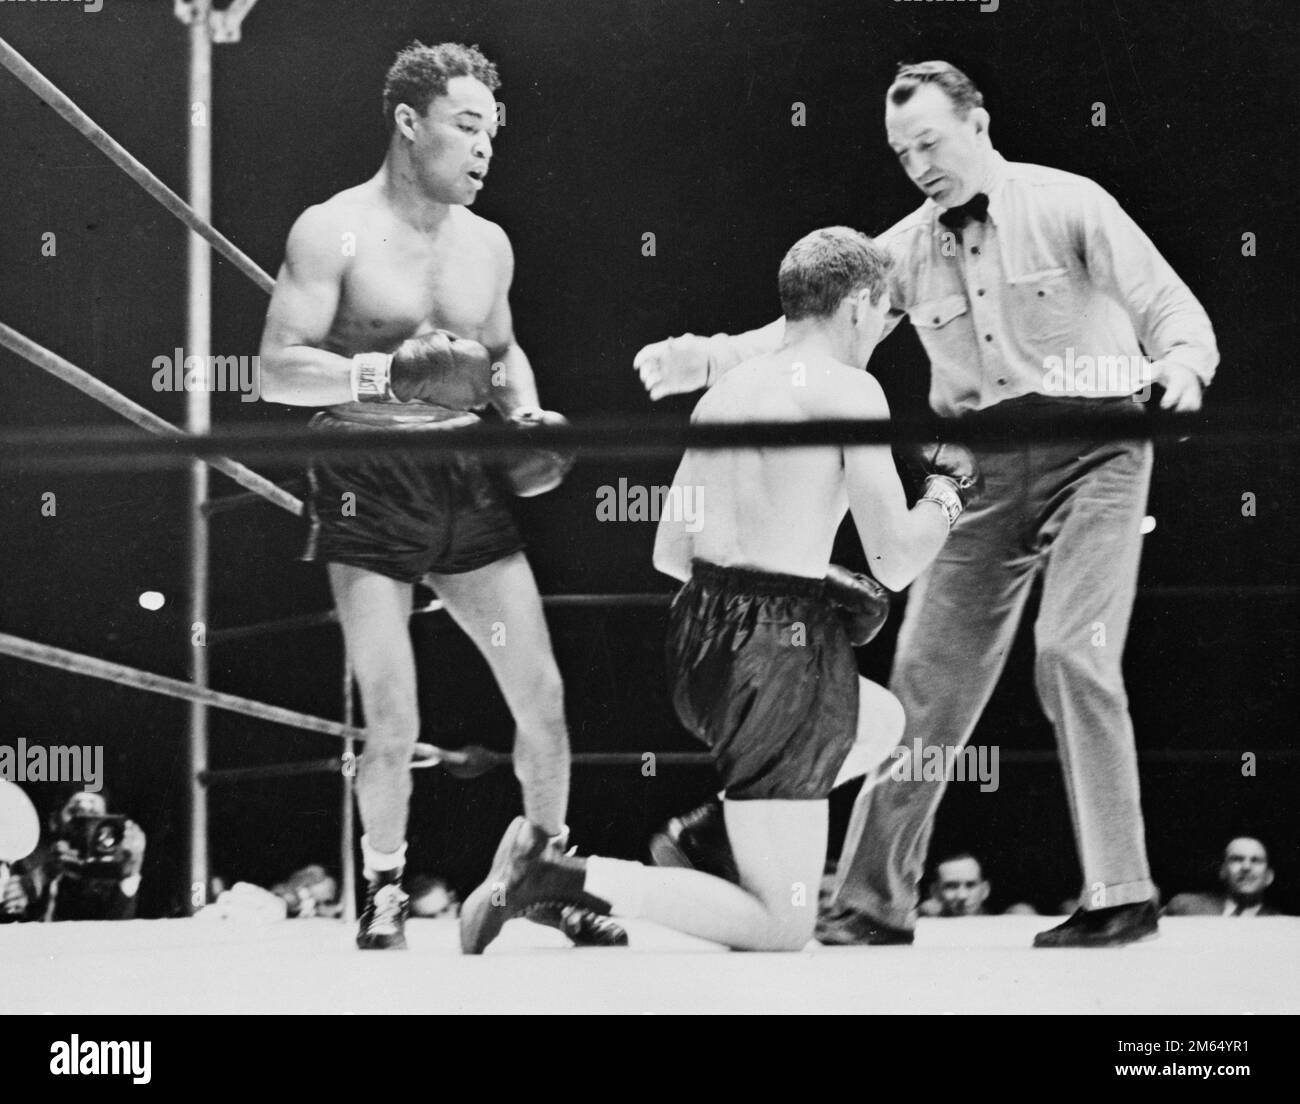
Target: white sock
[[619, 882], [381, 862]]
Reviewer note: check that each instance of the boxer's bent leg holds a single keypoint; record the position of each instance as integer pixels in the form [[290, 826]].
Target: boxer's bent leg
[[500, 609], [373, 612], [1088, 593], [780, 847], [960, 622]]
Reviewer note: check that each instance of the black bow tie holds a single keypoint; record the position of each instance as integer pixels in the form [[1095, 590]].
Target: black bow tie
[[977, 208]]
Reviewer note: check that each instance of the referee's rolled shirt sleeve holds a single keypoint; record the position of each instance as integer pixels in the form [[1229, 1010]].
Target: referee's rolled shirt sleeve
[[1170, 322]]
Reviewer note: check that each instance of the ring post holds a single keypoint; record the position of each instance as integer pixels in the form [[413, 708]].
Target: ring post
[[205, 25], [347, 853], [198, 419]]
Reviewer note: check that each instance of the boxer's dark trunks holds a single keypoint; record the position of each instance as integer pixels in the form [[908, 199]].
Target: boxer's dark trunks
[[762, 671], [407, 515]]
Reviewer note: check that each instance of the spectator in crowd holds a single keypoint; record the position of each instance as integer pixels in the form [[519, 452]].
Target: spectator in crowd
[[1245, 874], [958, 888], [432, 897], [309, 892], [17, 895]]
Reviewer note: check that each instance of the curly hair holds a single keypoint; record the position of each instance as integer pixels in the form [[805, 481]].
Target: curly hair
[[420, 73]]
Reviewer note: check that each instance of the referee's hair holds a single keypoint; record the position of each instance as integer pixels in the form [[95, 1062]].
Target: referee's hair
[[958, 87]]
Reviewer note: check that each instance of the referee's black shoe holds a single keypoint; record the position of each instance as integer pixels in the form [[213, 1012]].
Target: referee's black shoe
[[1107, 927], [846, 927]]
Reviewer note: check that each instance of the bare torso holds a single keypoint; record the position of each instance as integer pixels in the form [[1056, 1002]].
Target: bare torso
[[405, 281], [401, 281], [774, 509]]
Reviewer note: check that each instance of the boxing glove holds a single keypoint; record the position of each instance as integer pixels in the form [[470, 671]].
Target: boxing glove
[[947, 474], [861, 602], [534, 471], [438, 368]]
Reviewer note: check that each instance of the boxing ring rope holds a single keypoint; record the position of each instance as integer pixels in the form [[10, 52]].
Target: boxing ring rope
[[330, 617], [84, 125], [659, 598], [172, 447], [657, 437], [83, 381], [465, 762], [59, 658], [230, 502], [119, 674]]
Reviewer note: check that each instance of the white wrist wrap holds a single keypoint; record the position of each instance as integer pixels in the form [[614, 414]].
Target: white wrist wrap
[[942, 491], [370, 377]]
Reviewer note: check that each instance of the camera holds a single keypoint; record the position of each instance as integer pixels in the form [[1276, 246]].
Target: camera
[[97, 846]]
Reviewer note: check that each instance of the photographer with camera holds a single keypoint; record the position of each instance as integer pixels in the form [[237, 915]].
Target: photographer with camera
[[92, 868]]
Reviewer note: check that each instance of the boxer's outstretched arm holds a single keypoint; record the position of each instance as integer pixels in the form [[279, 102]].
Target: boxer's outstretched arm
[[295, 368], [726, 351], [514, 386], [689, 363], [899, 543]]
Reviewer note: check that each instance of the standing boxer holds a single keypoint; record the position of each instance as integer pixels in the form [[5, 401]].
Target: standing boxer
[[759, 641], [376, 282], [1032, 292]]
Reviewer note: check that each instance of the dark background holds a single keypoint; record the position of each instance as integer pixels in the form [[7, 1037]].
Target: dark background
[[625, 118]]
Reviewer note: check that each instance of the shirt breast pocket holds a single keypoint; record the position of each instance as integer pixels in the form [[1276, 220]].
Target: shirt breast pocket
[[1044, 305], [935, 314]]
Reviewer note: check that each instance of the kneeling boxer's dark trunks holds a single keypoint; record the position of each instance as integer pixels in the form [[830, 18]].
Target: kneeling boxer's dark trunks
[[761, 669], [408, 515]]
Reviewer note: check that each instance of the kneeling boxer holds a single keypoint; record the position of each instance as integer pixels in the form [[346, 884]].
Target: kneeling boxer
[[392, 309], [759, 654]]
